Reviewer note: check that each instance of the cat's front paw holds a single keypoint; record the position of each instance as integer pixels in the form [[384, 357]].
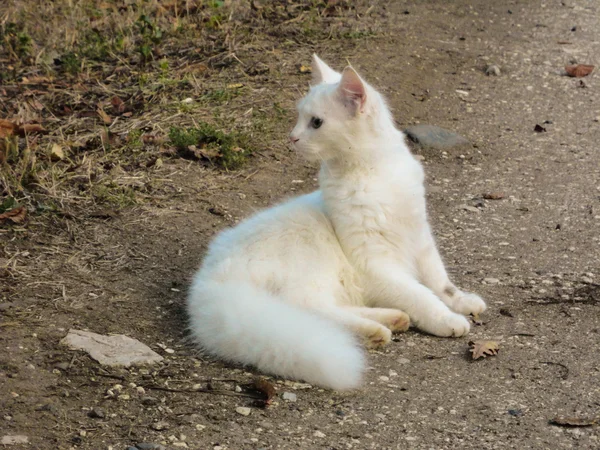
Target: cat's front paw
[[452, 325], [469, 303]]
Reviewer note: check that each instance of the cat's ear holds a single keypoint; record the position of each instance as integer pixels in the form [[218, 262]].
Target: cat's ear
[[353, 90], [322, 73]]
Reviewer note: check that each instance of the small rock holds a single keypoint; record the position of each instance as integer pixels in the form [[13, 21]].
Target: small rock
[[491, 280], [150, 446], [403, 361], [238, 389], [96, 413], [160, 426], [117, 350], [492, 70], [244, 411], [319, 434], [14, 440], [62, 366], [289, 396], [434, 137], [384, 378], [129, 447], [470, 208], [587, 280]]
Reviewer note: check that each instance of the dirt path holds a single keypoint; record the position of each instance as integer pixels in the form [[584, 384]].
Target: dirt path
[[533, 255]]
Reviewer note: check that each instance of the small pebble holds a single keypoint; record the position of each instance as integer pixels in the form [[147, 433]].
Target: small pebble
[[159, 426], [150, 446], [289, 396], [149, 401], [492, 70], [491, 280], [244, 411], [384, 378], [587, 280], [403, 361], [96, 413], [319, 434]]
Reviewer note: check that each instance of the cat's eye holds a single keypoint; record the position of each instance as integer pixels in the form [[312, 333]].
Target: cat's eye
[[315, 122]]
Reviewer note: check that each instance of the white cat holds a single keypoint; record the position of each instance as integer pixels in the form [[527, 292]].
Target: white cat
[[287, 290]]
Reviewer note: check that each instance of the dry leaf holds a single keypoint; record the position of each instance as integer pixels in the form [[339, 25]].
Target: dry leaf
[[575, 421], [235, 86], [203, 152], [24, 129], [16, 215], [483, 349], [304, 69], [579, 70], [266, 388], [56, 153], [105, 117], [118, 104], [493, 196], [7, 128]]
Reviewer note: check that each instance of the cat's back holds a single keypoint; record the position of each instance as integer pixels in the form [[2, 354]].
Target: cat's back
[[276, 231]]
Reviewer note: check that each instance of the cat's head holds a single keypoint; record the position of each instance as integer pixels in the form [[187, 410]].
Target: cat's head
[[339, 115]]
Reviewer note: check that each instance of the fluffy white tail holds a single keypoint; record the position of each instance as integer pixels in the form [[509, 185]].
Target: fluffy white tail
[[240, 323]]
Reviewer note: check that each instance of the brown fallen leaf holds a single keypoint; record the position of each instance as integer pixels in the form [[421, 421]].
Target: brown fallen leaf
[[579, 70], [483, 349], [118, 104], [27, 128], [575, 421], [304, 69], [105, 117], [16, 215], [493, 196], [7, 128], [200, 153], [265, 388]]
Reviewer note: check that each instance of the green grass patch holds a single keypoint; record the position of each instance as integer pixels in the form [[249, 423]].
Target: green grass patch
[[228, 150]]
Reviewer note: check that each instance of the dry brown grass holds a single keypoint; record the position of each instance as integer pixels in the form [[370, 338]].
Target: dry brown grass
[[108, 79]]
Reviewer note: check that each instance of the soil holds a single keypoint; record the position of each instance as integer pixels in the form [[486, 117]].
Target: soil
[[532, 254]]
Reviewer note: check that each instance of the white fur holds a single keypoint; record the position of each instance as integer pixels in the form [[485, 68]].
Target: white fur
[[271, 290]]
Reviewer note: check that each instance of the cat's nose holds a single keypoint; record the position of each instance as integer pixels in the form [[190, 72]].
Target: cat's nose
[[293, 139]]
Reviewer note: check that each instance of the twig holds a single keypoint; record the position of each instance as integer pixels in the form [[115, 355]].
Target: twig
[[565, 375], [206, 391]]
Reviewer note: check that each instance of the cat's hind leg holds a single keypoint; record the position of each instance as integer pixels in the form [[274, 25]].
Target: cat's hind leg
[[394, 319]]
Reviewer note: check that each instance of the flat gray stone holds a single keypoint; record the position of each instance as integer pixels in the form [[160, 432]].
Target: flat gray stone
[[16, 439], [435, 137], [117, 350]]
